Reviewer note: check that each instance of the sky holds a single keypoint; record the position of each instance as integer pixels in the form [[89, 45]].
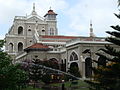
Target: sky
[[73, 18]]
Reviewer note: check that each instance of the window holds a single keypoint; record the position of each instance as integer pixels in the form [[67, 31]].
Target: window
[[73, 56], [20, 30], [43, 30], [11, 47], [29, 29], [20, 47], [29, 32]]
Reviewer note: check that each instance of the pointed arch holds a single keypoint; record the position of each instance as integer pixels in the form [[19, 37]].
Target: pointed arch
[[73, 56], [20, 46], [74, 69], [53, 60]]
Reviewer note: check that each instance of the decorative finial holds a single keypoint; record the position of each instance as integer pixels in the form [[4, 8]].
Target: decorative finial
[[50, 7], [34, 12], [91, 30], [33, 6], [91, 23]]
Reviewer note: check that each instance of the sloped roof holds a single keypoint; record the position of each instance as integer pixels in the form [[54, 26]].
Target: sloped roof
[[37, 47], [50, 12], [60, 37]]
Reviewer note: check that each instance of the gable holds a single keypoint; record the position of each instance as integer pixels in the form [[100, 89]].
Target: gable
[[35, 18]]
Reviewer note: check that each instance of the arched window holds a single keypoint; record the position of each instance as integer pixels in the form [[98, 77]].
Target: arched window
[[43, 32], [101, 61], [29, 32], [20, 47], [20, 30], [11, 47], [73, 56], [88, 65]]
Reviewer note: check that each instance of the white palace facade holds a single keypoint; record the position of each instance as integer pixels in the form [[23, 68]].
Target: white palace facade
[[35, 36]]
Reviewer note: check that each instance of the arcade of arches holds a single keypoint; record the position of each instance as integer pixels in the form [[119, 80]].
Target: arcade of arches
[[74, 65]]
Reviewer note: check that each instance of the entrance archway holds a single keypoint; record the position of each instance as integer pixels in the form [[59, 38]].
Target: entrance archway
[[74, 69]]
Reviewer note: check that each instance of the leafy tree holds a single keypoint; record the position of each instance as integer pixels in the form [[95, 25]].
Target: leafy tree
[[107, 76], [35, 71], [11, 77]]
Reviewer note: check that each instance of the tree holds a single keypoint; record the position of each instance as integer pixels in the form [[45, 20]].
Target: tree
[[11, 76], [35, 71], [107, 76]]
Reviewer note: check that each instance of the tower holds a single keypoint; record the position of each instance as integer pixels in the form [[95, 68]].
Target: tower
[[50, 18]]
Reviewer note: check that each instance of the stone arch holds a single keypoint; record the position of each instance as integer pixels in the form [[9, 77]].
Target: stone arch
[[88, 65], [20, 46], [74, 69], [11, 47], [20, 30], [73, 56], [101, 61], [54, 60]]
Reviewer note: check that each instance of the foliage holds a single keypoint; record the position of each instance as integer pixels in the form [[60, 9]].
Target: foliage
[[11, 76], [51, 64], [46, 78], [35, 72], [107, 76]]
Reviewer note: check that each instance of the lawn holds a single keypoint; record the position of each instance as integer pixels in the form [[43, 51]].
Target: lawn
[[31, 88], [73, 85], [81, 85]]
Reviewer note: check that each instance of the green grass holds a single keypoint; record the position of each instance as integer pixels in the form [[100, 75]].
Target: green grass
[[31, 88], [80, 84]]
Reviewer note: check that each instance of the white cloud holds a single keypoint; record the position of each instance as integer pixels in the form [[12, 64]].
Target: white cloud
[[100, 11], [74, 17], [11, 8]]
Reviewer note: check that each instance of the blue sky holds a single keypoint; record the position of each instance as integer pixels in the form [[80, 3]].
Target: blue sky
[[73, 15]]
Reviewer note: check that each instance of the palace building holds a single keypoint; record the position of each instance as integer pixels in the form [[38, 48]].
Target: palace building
[[35, 36]]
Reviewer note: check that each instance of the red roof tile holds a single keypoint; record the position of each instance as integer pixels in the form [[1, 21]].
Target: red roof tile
[[50, 12], [38, 45], [60, 37]]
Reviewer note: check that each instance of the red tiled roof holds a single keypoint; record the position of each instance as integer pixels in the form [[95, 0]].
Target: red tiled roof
[[38, 45], [54, 40], [60, 37], [50, 12]]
